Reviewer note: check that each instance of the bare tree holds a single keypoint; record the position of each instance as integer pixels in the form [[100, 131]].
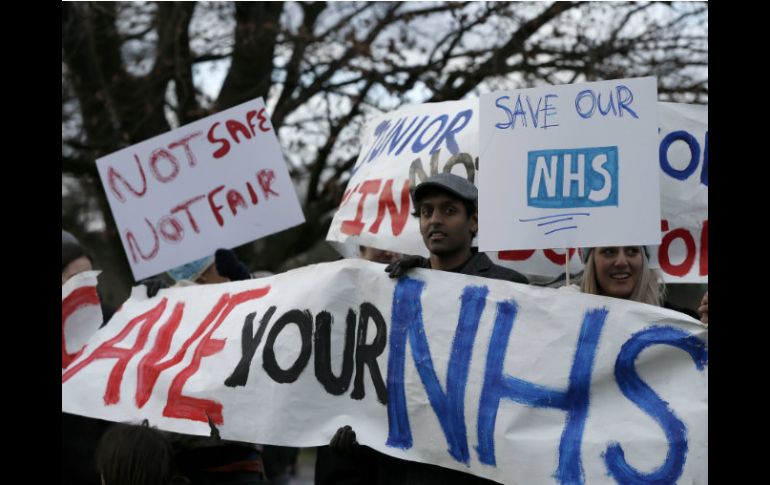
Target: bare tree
[[131, 71]]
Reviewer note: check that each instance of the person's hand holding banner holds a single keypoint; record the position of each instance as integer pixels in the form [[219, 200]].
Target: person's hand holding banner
[[703, 309], [398, 268]]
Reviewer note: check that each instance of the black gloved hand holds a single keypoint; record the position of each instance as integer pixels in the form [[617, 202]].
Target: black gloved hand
[[344, 441], [398, 268], [229, 266], [154, 285]]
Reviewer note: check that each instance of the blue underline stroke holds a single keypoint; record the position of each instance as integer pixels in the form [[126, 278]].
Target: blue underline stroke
[[554, 222], [555, 215], [561, 229]]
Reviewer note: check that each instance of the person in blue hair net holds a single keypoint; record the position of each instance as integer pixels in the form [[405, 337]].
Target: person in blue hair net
[[204, 271], [220, 267]]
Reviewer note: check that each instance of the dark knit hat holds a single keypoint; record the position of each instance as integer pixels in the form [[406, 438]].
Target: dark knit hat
[[70, 251]]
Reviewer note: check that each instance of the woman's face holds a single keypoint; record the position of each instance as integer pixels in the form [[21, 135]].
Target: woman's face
[[618, 269]]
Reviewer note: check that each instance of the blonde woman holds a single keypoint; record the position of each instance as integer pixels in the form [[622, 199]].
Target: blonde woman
[[625, 272]]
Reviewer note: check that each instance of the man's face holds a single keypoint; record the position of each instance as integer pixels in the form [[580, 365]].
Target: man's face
[[444, 224]]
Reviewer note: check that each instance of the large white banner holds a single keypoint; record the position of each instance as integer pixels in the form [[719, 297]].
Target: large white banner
[[216, 183], [506, 381], [569, 166], [681, 153]]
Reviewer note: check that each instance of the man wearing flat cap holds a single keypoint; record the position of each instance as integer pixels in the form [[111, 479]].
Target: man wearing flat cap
[[447, 206]]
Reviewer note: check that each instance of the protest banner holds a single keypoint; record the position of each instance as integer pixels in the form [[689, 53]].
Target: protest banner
[[506, 381], [215, 183]]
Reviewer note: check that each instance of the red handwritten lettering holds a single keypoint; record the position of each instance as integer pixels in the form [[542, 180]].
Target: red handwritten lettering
[[177, 231], [149, 369], [108, 350], [113, 176], [398, 218], [134, 246], [236, 130], [249, 118], [185, 206], [557, 258], [684, 267], [225, 145], [185, 143], [265, 178], [516, 255], [704, 249], [216, 209], [161, 154], [252, 193], [234, 199], [186, 407], [262, 120], [355, 226], [234, 127]]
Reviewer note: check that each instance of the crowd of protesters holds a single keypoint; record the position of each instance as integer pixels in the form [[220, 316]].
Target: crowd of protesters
[[446, 205]]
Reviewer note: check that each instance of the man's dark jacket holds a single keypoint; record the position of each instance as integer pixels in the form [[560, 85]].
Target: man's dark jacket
[[481, 265]]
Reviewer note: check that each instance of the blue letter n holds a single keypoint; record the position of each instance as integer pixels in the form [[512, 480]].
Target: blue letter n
[[406, 320]]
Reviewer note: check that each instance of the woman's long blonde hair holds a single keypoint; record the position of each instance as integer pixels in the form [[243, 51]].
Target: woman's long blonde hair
[[649, 289]]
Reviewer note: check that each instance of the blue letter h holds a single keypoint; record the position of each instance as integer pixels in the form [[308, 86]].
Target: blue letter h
[[574, 400]]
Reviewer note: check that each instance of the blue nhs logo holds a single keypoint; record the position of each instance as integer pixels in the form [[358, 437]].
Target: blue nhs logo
[[577, 177]]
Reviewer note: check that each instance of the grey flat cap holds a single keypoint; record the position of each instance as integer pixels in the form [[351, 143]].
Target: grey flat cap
[[450, 182]]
